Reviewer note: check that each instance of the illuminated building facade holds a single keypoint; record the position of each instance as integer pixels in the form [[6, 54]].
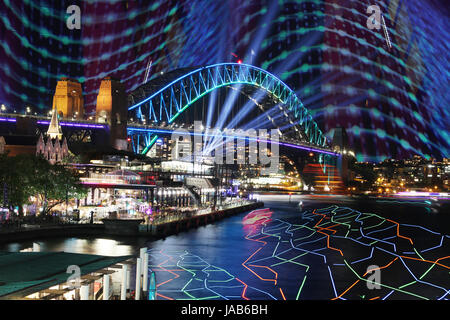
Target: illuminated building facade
[[54, 146], [53, 150]]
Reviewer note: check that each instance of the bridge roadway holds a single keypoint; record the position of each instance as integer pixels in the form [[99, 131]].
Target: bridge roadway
[[134, 128], [137, 128], [43, 120]]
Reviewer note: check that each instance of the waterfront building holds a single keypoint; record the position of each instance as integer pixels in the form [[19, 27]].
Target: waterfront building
[[409, 174]]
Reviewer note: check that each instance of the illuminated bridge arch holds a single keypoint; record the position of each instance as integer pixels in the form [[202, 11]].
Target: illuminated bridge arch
[[166, 99]]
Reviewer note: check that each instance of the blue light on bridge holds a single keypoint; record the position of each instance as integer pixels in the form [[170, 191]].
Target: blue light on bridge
[[134, 130], [176, 96]]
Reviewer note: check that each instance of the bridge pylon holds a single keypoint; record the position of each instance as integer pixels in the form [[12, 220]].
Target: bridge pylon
[[340, 144], [68, 99], [112, 108]]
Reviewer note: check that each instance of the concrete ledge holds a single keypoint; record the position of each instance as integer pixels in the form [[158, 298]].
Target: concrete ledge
[[51, 231], [170, 228], [122, 226]]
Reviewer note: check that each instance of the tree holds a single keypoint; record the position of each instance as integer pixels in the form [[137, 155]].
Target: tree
[[4, 178], [24, 176], [57, 185], [17, 180]]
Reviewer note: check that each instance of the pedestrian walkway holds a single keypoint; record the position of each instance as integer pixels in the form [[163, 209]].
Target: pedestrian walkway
[[46, 274]]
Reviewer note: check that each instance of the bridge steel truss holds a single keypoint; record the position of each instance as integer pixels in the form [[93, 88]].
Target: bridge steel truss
[[169, 101], [141, 140]]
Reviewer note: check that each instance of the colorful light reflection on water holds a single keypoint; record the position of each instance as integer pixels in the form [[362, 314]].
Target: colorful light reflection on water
[[328, 250], [323, 253]]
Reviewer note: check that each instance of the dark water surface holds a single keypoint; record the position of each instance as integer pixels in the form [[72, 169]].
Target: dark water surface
[[331, 247]]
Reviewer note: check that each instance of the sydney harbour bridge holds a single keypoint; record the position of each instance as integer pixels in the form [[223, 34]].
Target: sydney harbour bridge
[[244, 96]]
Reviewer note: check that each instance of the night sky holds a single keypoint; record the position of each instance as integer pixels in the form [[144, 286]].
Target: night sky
[[393, 101]]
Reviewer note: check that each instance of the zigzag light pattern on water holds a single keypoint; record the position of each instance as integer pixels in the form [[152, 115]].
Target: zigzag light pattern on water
[[335, 244]]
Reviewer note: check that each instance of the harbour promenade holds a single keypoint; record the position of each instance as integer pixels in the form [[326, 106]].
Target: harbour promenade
[[157, 229]]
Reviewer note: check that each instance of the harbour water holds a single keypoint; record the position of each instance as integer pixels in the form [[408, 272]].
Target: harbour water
[[327, 248]]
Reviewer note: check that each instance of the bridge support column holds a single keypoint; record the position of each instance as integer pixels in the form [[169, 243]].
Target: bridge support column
[[340, 143], [342, 164], [112, 109]]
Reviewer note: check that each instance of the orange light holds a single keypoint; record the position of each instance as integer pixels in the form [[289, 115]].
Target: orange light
[[326, 228], [282, 294], [245, 289], [398, 231]]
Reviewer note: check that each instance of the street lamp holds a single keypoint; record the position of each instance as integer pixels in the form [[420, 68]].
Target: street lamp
[[3, 108]]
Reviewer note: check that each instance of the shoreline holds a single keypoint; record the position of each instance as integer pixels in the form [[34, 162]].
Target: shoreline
[[154, 232]]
